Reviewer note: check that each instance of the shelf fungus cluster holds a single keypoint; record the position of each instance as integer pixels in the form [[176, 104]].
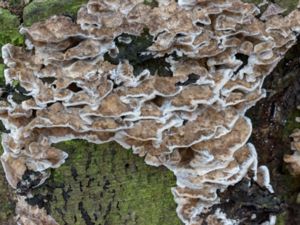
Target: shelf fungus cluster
[[171, 82]]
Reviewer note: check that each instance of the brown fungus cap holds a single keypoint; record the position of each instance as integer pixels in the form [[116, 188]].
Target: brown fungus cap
[[191, 119], [293, 160], [32, 215]]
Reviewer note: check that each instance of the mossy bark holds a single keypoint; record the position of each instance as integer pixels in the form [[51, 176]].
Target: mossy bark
[[39, 10], [106, 184], [9, 25], [9, 33], [7, 203]]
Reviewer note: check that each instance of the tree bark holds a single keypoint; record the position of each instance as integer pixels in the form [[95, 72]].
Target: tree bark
[[108, 185]]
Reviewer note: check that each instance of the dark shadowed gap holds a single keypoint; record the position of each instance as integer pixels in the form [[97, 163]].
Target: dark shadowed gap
[[244, 59], [135, 51]]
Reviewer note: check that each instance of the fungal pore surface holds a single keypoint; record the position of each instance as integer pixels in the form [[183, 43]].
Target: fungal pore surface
[[171, 82]]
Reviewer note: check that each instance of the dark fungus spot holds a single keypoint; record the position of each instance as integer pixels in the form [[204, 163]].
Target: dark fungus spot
[[192, 78]]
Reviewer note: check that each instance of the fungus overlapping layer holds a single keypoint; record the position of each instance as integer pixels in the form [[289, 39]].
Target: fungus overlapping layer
[[32, 215], [188, 115], [294, 159]]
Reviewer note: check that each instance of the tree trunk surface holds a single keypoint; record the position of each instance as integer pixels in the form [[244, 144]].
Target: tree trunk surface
[[107, 185]]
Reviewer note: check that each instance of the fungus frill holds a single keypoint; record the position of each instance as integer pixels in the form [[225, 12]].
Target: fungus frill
[[32, 215], [189, 116], [294, 159]]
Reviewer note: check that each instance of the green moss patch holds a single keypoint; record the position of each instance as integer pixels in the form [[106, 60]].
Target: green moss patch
[[9, 30], [39, 10], [106, 184], [2, 80], [152, 3], [289, 5]]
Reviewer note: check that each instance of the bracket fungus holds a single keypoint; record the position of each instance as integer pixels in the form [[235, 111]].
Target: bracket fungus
[[293, 160], [188, 116]]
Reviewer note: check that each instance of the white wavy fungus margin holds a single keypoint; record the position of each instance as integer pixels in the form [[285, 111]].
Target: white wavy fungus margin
[[192, 122]]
